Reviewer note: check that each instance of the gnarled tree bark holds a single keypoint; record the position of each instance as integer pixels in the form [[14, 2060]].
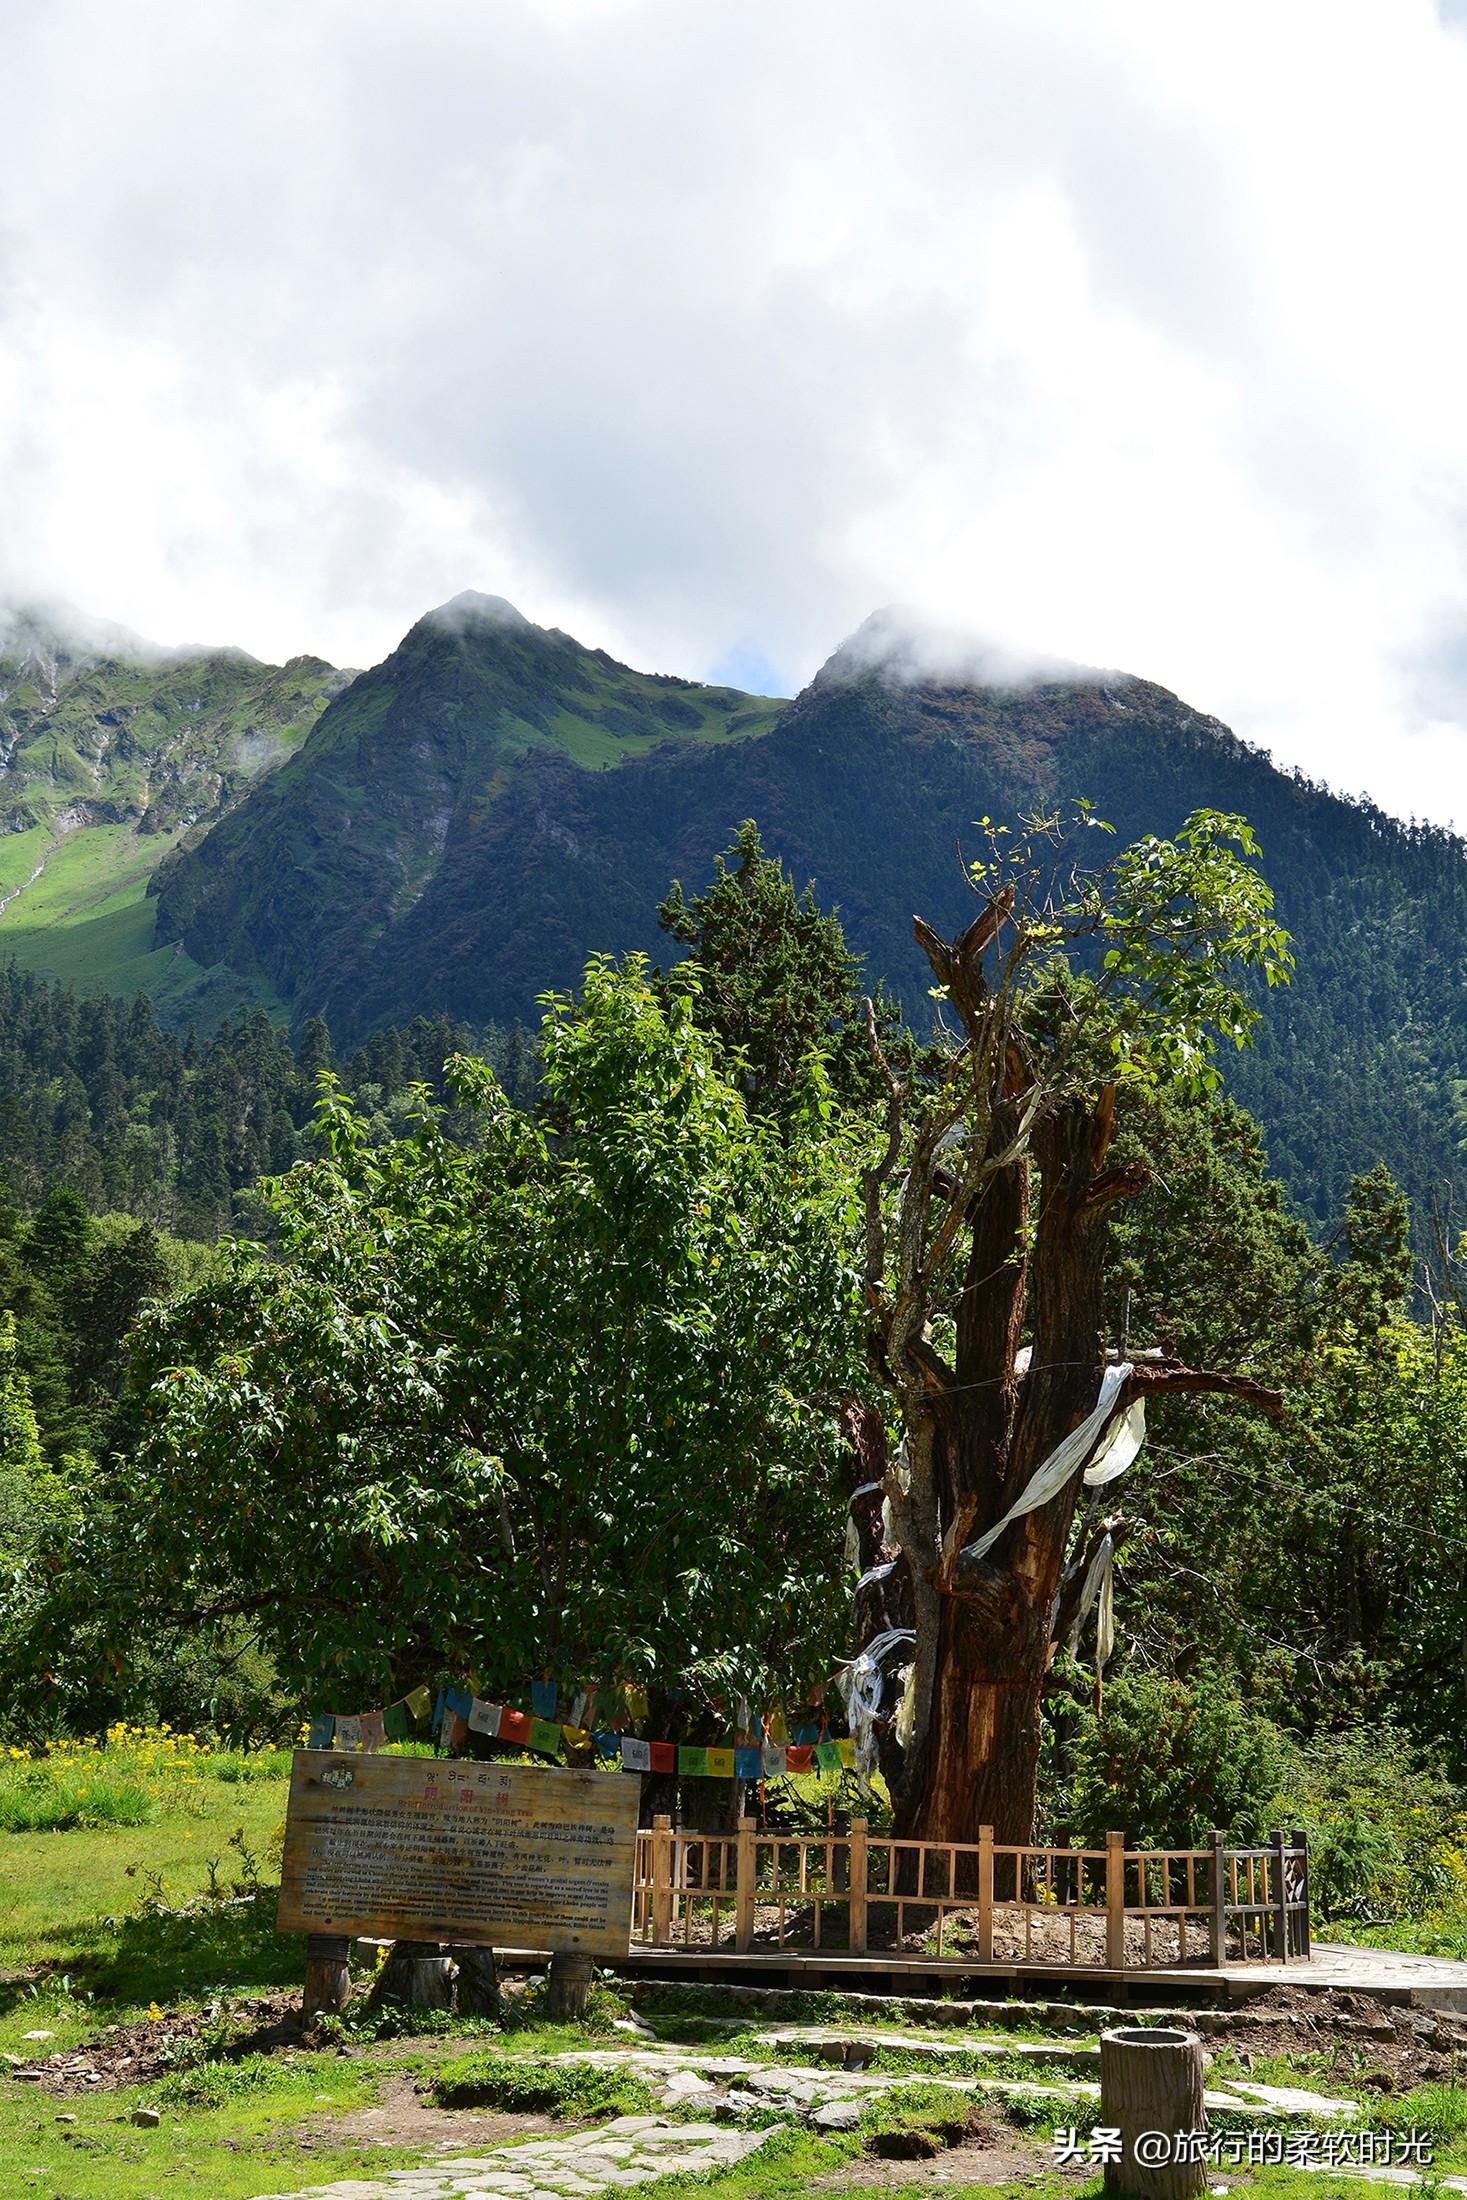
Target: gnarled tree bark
[[1008, 1175]]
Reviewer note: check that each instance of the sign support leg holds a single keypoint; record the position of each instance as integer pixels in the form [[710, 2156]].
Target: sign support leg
[[328, 1976]]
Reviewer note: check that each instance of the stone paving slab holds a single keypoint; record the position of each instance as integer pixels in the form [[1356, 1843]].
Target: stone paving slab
[[631, 2150], [788, 2084]]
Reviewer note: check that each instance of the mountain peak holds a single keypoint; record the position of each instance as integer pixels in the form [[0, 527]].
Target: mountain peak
[[58, 634], [470, 608], [900, 647]]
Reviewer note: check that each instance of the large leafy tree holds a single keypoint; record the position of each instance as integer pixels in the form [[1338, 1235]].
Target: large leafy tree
[[564, 1398], [1071, 984]]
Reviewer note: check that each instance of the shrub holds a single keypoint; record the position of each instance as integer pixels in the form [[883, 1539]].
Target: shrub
[[1383, 1825], [547, 2089], [213, 2084], [1165, 1762]]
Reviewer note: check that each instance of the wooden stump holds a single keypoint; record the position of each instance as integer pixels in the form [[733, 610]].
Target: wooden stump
[[476, 1989], [569, 1986], [1151, 2081], [416, 1975], [328, 1976]]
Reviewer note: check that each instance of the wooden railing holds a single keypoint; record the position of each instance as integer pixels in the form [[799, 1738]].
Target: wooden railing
[[1115, 1908]]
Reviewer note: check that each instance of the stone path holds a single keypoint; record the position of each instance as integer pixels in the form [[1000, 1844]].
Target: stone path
[[681, 2073], [829, 2093], [633, 2150]]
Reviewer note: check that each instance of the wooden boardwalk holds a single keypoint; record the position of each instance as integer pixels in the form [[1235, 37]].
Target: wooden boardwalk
[[1425, 1982]]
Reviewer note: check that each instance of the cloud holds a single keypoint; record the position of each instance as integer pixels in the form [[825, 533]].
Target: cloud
[[1116, 331], [905, 648]]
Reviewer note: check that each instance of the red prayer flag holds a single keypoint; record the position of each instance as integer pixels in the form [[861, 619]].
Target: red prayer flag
[[664, 1756], [799, 1756], [514, 1726]]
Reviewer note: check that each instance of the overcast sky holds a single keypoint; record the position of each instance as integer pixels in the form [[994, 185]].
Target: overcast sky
[[1123, 330]]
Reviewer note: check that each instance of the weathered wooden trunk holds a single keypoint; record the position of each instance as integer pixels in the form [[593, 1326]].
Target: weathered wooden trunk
[[1012, 1186], [569, 1986], [417, 1975], [1151, 2092], [476, 1986], [328, 1976]]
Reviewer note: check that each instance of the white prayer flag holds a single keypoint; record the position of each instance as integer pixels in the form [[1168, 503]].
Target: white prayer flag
[[635, 1756], [484, 1717], [1120, 1443], [348, 1734]]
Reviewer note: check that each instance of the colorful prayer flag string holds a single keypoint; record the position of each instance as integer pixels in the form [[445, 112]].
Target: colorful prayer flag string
[[457, 1712]]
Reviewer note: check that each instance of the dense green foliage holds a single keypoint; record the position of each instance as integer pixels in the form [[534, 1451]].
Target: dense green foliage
[[777, 982], [564, 1395], [555, 1375]]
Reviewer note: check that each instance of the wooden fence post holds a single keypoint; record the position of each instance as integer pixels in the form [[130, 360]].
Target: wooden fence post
[[1281, 1895], [859, 1868], [985, 1894], [1219, 1901], [744, 1870], [661, 1879], [1115, 1901], [1300, 1840]]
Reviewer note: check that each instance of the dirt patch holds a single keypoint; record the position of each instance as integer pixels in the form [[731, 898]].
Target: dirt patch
[[136, 2054], [981, 2153], [401, 2117], [1364, 2044]]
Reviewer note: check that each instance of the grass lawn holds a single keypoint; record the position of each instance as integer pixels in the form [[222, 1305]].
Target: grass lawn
[[139, 1893]]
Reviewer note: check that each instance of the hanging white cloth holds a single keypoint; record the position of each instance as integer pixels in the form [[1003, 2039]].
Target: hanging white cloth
[[1105, 1623], [1110, 1435], [874, 1573], [1096, 1573], [861, 1685], [1119, 1446]]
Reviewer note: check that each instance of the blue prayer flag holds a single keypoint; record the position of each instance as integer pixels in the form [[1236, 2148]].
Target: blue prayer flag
[[543, 1698], [749, 1764], [323, 1727]]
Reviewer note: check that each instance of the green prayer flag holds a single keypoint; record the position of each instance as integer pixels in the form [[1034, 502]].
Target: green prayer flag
[[545, 1735], [397, 1722], [692, 1763], [827, 1756]]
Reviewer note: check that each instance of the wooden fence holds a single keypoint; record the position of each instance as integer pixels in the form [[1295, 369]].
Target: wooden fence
[[1110, 1908]]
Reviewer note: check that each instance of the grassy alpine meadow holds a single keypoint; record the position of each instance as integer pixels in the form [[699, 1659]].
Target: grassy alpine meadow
[[102, 1841]]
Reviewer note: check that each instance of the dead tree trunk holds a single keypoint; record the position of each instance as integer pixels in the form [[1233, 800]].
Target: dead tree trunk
[[1008, 1186]]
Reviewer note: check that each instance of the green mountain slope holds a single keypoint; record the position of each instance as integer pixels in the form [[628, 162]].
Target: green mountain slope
[[111, 751], [335, 878], [472, 819]]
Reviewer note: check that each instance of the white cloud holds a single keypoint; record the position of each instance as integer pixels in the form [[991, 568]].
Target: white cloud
[[1119, 331]]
